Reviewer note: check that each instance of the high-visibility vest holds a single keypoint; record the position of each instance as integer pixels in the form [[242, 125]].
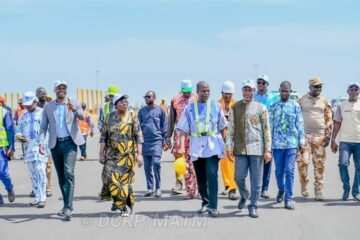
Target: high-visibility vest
[[84, 125], [4, 141], [199, 127], [106, 109]]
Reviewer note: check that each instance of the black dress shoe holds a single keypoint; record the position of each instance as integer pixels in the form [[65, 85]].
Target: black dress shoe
[[345, 195], [203, 209], [253, 212], [113, 207], [289, 205], [242, 203], [280, 196]]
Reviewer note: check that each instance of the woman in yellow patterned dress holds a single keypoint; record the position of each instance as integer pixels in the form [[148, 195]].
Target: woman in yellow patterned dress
[[120, 139]]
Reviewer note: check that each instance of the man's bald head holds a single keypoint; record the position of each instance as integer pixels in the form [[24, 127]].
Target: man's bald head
[[41, 94], [201, 84], [285, 90], [286, 84], [203, 91]]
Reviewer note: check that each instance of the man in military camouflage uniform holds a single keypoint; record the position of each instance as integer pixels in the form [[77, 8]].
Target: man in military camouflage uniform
[[318, 124]]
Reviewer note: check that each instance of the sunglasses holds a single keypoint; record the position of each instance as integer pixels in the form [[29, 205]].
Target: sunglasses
[[146, 97], [261, 83], [317, 86]]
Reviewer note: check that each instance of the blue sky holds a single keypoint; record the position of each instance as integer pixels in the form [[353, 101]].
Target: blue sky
[[152, 45]]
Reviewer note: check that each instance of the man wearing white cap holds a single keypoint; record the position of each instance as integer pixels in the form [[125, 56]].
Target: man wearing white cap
[[28, 133], [227, 165], [250, 149], [347, 123], [177, 107], [264, 96], [60, 121]]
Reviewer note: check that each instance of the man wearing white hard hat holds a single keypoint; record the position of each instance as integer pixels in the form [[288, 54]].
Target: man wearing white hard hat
[[59, 121], [346, 123], [28, 133], [227, 165], [252, 149], [263, 95], [178, 104]]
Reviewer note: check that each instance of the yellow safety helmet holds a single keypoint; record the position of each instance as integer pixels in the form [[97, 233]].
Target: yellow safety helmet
[[113, 89], [180, 165]]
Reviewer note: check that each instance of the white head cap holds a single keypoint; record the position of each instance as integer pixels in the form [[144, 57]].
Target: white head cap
[[249, 83], [263, 77], [29, 98], [60, 82], [228, 87], [353, 84], [186, 86], [117, 97]]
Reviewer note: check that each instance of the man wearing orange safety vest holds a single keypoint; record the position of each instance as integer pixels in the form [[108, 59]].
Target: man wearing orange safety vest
[[86, 126], [20, 110], [227, 165]]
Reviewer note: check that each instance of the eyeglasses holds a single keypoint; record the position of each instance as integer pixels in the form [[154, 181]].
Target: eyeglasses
[[261, 83], [146, 97]]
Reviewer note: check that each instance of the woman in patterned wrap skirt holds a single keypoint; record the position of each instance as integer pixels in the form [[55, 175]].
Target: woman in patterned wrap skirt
[[120, 151]]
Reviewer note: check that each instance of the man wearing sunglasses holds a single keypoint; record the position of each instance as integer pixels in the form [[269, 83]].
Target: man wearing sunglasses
[[346, 122], [317, 114], [152, 119], [264, 96]]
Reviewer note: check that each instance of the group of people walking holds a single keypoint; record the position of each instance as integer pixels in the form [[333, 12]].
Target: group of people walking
[[242, 137]]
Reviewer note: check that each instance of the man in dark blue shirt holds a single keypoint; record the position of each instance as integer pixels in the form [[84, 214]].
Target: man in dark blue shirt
[[153, 124]]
